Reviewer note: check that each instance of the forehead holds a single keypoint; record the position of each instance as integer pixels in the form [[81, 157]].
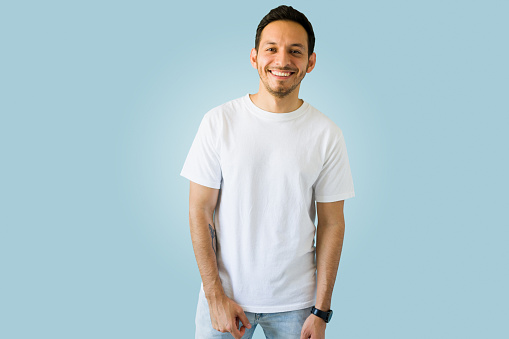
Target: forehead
[[282, 32]]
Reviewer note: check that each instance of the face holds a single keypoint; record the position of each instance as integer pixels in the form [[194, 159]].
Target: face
[[282, 59]]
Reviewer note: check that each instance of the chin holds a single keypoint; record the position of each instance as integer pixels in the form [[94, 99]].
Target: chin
[[280, 93]]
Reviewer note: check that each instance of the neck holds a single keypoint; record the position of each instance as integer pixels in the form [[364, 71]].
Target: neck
[[270, 103]]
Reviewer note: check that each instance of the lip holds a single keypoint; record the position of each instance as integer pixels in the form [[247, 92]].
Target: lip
[[281, 77]]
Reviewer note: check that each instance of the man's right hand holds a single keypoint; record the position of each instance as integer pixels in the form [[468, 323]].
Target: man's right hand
[[225, 315]]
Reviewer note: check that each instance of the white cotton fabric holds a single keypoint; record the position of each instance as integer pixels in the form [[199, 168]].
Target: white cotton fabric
[[270, 169]]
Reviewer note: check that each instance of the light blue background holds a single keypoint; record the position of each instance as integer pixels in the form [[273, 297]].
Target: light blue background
[[100, 102]]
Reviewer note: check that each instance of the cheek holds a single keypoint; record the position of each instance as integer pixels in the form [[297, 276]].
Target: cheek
[[263, 62]]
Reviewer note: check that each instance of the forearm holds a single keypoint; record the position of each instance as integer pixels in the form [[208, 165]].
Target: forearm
[[329, 243], [203, 236]]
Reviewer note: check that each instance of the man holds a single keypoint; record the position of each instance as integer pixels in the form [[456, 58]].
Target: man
[[260, 162]]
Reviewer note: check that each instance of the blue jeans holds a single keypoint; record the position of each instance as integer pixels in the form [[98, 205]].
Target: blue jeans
[[287, 325]]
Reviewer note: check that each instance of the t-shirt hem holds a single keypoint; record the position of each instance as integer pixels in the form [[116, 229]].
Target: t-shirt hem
[[270, 309], [279, 308], [200, 181], [337, 197]]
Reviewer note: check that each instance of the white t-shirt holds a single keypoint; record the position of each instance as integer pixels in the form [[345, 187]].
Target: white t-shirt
[[270, 169]]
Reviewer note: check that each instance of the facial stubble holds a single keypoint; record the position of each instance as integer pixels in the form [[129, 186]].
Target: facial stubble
[[281, 93]]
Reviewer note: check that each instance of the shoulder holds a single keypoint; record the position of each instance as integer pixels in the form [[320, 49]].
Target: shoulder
[[324, 124], [225, 109], [216, 117]]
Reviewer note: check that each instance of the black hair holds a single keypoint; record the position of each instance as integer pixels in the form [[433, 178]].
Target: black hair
[[287, 13]]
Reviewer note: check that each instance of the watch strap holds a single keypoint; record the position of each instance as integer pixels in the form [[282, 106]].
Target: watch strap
[[325, 315]]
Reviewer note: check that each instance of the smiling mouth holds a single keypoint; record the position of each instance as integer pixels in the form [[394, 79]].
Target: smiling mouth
[[281, 74]]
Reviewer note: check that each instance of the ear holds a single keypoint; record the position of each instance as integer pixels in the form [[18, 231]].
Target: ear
[[312, 62], [252, 58]]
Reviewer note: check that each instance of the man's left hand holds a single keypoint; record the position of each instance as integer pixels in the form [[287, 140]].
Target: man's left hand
[[313, 328]]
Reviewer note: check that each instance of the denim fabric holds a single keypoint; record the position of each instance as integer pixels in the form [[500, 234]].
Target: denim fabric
[[287, 325]]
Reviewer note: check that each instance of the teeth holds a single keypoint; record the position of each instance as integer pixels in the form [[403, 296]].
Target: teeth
[[281, 74]]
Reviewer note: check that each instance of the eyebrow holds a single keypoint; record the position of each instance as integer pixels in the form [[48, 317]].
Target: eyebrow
[[292, 45]]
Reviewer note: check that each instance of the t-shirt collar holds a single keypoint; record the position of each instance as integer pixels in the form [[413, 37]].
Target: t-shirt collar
[[275, 116]]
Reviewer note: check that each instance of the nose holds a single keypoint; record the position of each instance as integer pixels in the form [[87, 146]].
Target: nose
[[282, 58]]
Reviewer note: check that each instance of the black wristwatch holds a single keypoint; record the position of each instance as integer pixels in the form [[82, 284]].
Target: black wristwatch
[[326, 316]]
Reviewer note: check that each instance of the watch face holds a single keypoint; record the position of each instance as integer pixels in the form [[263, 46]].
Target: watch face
[[330, 316]]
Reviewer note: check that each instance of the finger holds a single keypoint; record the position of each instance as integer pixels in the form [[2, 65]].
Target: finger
[[244, 319], [235, 333], [242, 330]]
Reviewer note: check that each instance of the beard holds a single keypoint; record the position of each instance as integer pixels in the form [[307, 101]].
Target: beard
[[281, 91]]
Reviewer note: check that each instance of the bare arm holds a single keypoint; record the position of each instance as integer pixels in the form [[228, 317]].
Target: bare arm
[[202, 202], [224, 312], [329, 243]]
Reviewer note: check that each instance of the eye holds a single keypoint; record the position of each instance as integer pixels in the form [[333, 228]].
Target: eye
[[296, 52], [270, 49]]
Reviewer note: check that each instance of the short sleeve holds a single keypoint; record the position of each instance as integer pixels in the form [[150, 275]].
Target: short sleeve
[[334, 183], [202, 164]]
